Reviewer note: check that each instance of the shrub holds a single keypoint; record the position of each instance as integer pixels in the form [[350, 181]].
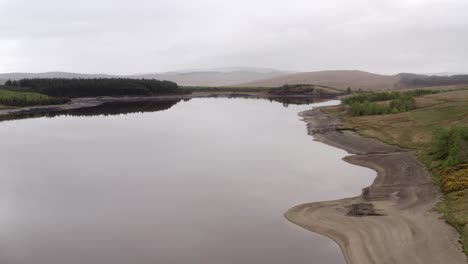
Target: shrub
[[450, 146], [364, 103], [454, 178]]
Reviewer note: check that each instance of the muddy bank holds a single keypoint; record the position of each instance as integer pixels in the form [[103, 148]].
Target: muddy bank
[[391, 221]]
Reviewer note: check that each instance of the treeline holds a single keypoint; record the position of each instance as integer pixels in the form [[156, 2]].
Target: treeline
[[59, 87], [425, 80], [363, 104]]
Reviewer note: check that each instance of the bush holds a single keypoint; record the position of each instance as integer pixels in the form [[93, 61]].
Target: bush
[[364, 103], [454, 178], [366, 108], [383, 96], [403, 103], [450, 146]]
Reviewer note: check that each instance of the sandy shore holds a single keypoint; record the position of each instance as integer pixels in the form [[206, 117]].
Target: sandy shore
[[408, 231]]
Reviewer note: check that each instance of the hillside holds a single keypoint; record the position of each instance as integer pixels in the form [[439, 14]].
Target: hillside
[[215, 77], [263, 77], [211, 78], [338, 79]]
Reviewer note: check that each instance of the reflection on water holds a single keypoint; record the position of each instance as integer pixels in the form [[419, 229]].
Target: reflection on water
[[141, 106], [205, 181], [111, 108]]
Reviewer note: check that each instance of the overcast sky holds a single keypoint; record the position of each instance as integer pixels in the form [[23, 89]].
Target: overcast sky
[[140, 36]]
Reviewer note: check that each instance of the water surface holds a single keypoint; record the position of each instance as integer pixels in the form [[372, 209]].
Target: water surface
[[205, 181]]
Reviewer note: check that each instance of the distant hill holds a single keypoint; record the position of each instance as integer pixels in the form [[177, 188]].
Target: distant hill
[[215, 77], [212, 78], [264, 77], [338, 79], [68, 75]]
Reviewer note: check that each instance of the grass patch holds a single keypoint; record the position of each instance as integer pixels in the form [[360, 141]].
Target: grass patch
[[16, 98]]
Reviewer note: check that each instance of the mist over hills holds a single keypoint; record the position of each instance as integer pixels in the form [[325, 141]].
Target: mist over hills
[[341, 79], [211, 77], [265, 77]]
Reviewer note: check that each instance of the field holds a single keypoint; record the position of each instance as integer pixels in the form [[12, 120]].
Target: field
[[10, 98], [415, 130]]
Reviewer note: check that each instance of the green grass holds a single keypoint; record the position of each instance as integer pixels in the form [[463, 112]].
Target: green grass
[[16, 98], [448, 113], [454, 208]]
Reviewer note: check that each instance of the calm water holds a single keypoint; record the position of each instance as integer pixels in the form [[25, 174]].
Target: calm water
[[206, 181]]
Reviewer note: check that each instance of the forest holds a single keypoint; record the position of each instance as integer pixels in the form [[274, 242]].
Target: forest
[[58, 87], [426, 80]]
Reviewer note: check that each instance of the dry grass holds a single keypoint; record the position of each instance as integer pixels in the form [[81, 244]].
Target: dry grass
[[412, 129]]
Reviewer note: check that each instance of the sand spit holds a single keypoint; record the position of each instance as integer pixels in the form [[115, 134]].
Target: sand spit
[[403, 228]]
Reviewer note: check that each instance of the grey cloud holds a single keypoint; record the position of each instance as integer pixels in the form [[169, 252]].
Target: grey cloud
[[148, 36]]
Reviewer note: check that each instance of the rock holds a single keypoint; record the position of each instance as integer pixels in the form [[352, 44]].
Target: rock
[[362, 209]]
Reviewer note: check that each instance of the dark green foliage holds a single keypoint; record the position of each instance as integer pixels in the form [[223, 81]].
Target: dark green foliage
[[8, 83], [58, 87], [363, 104], [403, 103], [366, 108], [426, 80], [383, 96], [450, 146]]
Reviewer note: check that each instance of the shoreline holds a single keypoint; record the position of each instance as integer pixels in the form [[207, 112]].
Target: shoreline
[[407, 231], [86, 102]]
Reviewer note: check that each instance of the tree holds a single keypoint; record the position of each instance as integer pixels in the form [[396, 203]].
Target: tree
[[8, 83], [348, 91]]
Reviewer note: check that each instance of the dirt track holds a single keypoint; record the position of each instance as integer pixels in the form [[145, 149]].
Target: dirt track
[[407, 232]]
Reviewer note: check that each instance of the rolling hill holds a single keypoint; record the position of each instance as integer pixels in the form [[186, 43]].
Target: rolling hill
[[337, 79], [262, 77]]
